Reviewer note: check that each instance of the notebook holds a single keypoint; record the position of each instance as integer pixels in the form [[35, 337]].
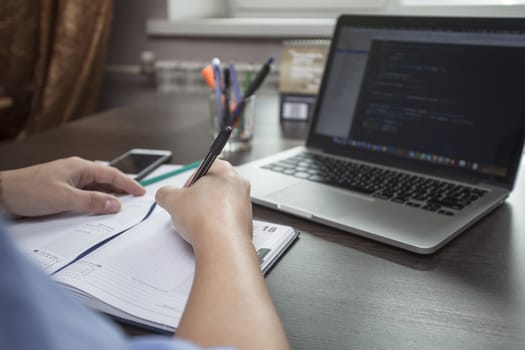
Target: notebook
[[417, 132], [132, 265]]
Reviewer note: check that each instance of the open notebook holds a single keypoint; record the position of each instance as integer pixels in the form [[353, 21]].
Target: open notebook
[[131, 265]]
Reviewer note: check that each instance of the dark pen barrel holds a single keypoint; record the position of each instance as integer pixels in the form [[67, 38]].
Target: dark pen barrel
[[213, 153], [259, 78]]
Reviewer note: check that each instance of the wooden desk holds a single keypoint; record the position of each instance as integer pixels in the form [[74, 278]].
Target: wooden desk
[[334, 290]]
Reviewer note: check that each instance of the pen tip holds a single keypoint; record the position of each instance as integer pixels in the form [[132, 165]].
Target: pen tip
[[270, 61]]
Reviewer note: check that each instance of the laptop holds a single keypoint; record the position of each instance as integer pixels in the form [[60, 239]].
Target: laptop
[[417, 132]]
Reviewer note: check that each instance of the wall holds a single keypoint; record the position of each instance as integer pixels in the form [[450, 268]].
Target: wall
[[128, 39]]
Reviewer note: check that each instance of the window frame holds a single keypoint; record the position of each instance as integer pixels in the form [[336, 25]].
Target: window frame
[[220, 18], [302, 8], [331, 8]]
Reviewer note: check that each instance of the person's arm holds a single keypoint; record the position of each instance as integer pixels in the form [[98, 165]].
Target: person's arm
[[71, 184], [229, 303]]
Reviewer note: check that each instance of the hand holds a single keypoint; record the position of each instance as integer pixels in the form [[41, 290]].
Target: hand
[[221, 198], [71, 184], [229, 302]]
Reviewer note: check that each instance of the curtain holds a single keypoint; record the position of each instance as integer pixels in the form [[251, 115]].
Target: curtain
[[51, 61]]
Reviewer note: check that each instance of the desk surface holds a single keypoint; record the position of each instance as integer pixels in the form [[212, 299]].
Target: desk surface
[[335, 290]]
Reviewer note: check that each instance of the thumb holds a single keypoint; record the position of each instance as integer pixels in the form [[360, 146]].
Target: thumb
[[168, 197], [171, 199], [94, 202]]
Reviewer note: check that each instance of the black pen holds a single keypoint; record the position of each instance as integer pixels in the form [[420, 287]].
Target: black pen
[[213, 153], [259, 78], [256, 83]]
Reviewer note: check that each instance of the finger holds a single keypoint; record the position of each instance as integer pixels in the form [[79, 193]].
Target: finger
[[93, 202], [99, 187], [218, 166], [112, 177], [103, 188], [167, 196], [188, 181]]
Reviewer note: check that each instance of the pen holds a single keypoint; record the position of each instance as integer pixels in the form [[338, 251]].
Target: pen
[[255, 84], [161, 177], [259, 78], [216, 64], [213, 153], [226, 92], [247, 80], [207, 74], [235, 84]]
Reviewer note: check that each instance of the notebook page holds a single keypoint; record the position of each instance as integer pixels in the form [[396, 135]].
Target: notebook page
[[148, 271], [54, 241]]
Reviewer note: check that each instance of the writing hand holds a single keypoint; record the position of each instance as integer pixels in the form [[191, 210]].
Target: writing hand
[[221, 198]]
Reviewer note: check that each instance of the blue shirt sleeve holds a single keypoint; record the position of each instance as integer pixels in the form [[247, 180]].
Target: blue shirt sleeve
[[36, 313], [161, 343]]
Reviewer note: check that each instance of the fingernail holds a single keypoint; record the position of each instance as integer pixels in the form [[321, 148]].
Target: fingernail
[[111, 206]]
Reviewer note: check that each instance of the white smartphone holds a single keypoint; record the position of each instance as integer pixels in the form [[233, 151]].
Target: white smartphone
[[139, 162]]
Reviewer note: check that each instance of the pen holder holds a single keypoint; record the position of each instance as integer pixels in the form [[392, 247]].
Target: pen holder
[[243, 128]]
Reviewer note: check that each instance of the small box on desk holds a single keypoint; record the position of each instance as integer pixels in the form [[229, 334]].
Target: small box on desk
[[302, 65], [295, 106]]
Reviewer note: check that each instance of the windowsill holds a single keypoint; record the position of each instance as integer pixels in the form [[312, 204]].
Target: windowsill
[[243, 27]]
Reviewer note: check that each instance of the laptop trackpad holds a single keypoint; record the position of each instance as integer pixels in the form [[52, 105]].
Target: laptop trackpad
[[319, 199]]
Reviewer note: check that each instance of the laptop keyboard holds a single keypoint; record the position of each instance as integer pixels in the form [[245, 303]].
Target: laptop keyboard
[[415, 191]]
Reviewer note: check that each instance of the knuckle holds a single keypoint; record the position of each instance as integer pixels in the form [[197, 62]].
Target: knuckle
[[74, 159], [114, 174], [224, 165], [94, 203], [72, 162]]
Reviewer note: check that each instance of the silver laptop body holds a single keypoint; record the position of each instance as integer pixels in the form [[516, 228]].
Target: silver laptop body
[[439, 100]]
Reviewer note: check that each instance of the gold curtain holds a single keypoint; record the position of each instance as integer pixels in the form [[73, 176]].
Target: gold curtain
[[51, 61]]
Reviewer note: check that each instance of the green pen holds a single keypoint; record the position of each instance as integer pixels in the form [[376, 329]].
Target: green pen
[[161, 177], [247, 81]]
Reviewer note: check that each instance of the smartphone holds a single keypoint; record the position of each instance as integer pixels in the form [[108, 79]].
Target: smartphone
[[139, 162]]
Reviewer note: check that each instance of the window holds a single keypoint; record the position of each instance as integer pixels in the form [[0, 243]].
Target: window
[[300, 8], [309, 8], [460, 2], [305, 18], [331, 8]]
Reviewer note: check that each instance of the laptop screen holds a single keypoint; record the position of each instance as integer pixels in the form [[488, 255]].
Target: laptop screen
[[441, 95]]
